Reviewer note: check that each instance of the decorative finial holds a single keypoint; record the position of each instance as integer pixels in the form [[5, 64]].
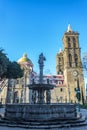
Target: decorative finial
[[24, 55], [60, 50], [69, 28]]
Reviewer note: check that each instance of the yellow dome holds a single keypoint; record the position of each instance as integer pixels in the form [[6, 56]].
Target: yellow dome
[[24, 59]]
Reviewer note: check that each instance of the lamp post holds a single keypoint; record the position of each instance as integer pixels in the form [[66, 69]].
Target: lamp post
[[77, 90], [78, 97]]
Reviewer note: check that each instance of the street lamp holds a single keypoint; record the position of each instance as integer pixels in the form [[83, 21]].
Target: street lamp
[[77, 90]]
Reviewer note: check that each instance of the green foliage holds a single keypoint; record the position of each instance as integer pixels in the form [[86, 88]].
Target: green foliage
[[84, 106], [4, 61], [14, 70], [9, 69]]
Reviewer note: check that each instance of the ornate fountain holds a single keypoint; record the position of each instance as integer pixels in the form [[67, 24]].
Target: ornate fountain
[[42, 113], [41, 88]]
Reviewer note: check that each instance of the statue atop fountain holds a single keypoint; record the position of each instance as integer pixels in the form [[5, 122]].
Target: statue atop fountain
[[41, 87], [41, 65]]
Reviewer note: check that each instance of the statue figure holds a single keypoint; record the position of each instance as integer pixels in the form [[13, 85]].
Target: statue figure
[[41, 59], [41, 64]]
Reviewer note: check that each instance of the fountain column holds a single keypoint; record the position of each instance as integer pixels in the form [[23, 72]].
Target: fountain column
[[41, 65], [48, 96]]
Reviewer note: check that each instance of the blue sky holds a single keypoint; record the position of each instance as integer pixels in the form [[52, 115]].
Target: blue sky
[[35, 26]]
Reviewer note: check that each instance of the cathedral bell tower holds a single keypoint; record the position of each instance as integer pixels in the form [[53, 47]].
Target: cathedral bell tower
[[60, 62], [73, 71]]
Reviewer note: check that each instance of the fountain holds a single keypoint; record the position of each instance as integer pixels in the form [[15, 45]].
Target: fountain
[[42, 114]]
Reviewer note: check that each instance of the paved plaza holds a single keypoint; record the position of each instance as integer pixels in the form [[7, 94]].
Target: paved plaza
[[74, 128]]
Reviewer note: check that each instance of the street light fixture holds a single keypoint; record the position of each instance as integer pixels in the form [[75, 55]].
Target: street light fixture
[[77, 90]]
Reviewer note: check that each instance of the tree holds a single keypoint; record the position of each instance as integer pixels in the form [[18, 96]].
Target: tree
[[14, 71], [9, 70], [4, 61]]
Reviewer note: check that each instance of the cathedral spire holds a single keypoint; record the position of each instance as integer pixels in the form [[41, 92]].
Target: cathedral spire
[[69, 28]]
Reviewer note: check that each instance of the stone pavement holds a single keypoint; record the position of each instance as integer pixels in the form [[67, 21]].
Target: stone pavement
[[74, 128], [84, 112]]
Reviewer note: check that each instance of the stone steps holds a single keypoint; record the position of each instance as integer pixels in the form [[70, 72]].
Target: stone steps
[[44, 125]]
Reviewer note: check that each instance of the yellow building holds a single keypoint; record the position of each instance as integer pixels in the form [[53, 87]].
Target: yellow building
[[68, 63], [21, 91], [18, 91]]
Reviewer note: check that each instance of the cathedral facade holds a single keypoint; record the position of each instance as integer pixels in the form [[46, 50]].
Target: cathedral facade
[[68, 63]]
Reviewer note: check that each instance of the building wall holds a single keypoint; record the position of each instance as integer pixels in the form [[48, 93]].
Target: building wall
[[17, 92], [3, 90], [84, 63], [21, 90]]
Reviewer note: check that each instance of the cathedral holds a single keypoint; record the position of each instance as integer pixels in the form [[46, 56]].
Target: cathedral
[[68, 63], [69, 80]]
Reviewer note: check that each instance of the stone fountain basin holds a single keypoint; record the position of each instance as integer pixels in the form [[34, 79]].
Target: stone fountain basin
[[41, 86], [40, 112]]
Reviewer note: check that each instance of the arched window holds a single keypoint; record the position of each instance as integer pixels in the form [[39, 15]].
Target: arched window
[[61, 89], [60, 72], [16, 97], [59, 60], [61, 99], [70, 60], [74, 45], [21, 93], [74, 42], [69, 45], [76, 59], [68, 39]]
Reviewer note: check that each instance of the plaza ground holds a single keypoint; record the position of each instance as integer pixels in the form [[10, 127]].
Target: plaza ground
[[83, 111]]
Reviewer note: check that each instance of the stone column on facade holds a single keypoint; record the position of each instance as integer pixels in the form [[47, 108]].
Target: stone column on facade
[[27, 89], [66, 58], [79, 58], [25, 78], [73, 58], [9, 92], [13, 89]]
